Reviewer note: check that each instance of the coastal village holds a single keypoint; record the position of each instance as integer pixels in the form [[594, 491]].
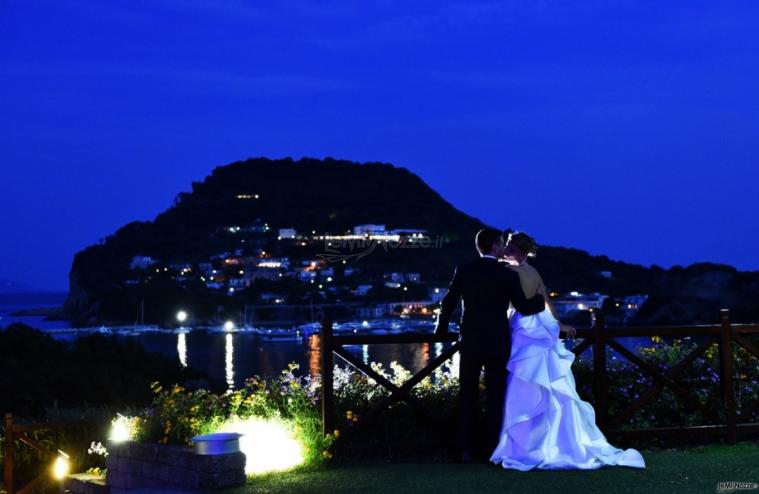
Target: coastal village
[[285, 267]]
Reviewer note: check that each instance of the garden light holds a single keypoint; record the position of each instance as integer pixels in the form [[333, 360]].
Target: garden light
[[121, 429], [269, 445], [61, 466]]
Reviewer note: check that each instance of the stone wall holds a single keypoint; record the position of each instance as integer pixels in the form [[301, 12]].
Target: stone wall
[[132, 465]]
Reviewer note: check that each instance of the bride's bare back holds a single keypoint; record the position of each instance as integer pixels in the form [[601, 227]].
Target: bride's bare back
[[530, 279]]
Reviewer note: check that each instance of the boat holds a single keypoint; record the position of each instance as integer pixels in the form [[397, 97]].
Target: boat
[[276, 335]]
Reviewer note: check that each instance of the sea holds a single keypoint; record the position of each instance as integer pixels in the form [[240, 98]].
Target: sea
[[229, 357]]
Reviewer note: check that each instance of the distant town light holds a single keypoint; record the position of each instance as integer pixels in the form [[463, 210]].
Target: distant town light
[[575, 294], [269, 264], [329, 279], [437, 290], [581, 306], [365, 324], [181, 316], [229, 326]]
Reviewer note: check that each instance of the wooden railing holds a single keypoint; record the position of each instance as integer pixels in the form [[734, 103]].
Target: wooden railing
[[19, 431], [599, 337], [332, 345]]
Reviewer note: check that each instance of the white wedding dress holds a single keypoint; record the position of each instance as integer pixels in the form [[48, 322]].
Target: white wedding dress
[[546, 425]]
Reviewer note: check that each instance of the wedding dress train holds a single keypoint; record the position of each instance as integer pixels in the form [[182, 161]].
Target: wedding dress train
[[546, 425]]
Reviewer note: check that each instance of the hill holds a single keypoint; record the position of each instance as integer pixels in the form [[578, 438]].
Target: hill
[[219, 234]]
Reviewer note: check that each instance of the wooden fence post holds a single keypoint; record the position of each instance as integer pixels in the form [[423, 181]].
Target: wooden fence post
[[327, 365], [726, 375], [600, 391], [8, 454]]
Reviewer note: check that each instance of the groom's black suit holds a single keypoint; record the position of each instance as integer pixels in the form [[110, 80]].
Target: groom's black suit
[[487, 287]]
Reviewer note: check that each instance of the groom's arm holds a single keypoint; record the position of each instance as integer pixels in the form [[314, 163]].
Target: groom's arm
[[449, 303], [526, 306]]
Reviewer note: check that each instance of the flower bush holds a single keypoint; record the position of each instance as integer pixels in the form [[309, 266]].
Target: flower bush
[[178, 414], [701, 379], [429, 427]]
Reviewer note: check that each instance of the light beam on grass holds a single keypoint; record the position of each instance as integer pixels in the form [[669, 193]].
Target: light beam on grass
[[269, 445]]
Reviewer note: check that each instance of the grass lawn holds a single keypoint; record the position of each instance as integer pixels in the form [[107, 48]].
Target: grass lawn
[[693, 470]]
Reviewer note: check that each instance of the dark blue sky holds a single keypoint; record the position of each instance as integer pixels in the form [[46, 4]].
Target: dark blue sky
[[625, 128]]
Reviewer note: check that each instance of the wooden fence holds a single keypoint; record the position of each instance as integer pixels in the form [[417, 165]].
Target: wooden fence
[[730, 425]]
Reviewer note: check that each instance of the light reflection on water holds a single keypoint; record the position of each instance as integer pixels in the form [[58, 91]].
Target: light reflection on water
[[228, 359], [182, 349]]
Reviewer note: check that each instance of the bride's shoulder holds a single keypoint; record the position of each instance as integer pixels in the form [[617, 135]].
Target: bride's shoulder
[[513, 270], [525, 270]]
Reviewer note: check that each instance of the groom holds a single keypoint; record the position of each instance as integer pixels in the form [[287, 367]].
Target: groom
[[486, 287]]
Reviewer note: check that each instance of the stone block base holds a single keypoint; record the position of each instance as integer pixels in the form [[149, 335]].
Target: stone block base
[[148, 467]]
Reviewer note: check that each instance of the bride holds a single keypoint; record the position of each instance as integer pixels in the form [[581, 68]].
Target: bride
[[546, 425]]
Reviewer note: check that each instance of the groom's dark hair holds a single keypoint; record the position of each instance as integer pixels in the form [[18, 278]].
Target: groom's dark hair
[[486, 239]]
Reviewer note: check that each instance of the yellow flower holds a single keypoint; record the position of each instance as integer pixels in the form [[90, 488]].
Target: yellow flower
[[349, 415], [337, 433]]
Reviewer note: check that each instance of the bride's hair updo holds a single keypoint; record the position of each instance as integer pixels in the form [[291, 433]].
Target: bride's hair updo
[[525, 243]]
